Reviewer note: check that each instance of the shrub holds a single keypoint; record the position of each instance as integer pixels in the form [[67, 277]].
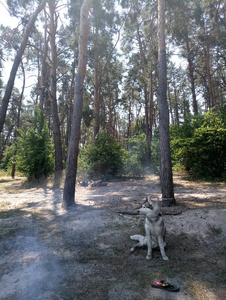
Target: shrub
[[155, 151], [35, 151], [104, 157], [84, 166], [135, 157], [8, 156], [203, 153]]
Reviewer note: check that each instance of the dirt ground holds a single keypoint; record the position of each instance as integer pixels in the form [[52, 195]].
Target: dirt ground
[[49, 253]]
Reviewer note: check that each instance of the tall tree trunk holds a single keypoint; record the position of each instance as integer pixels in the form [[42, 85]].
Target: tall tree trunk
[[192, 79], [165, 155], [212, 100], [70, 108], [18, 122], [96, 121], [44, 69], [16, 63], [110, 121], [151, 110], [147, 129], [147, 121], [177, 121], [129, 119], [70, 180], [116, 126], [53, 92]]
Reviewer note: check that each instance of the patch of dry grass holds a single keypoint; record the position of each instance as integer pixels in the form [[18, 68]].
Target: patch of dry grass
[[202, 291], [7, 232], [20, 183]]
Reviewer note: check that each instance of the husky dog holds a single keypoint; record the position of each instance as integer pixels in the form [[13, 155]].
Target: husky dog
[[154, 229]]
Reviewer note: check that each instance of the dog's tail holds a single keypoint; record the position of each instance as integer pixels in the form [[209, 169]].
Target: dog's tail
[[137, 237]]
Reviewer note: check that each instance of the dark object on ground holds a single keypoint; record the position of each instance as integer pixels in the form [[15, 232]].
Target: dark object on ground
[[165, 286]]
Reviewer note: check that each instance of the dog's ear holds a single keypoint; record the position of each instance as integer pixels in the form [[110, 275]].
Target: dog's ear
[[149, 200]]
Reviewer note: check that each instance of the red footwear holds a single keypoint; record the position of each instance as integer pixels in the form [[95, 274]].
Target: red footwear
[[165, 286]]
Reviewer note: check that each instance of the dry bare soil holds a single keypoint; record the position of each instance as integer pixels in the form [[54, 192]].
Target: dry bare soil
[[49, 253]]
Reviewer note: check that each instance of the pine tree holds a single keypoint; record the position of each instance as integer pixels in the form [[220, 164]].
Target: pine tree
[[165, 156]]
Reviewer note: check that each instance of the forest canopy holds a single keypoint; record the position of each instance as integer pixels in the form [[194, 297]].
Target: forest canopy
[[120, 114]]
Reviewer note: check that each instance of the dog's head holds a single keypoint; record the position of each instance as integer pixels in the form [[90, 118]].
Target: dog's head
[[149, 206]]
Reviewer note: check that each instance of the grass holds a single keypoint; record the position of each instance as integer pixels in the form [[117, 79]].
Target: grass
[[200, 290], [4, 205], [213, 230], [8, 232], [12, 213], [142, 278], [222, 276], [87, 255], [145, 277], [20, 183]]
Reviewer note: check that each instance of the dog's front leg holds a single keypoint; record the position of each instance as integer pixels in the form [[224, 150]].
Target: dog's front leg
[[161, 246], [148, 235]]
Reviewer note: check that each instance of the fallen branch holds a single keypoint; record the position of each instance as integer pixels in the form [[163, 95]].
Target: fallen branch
[[164, 211], [128, 213]]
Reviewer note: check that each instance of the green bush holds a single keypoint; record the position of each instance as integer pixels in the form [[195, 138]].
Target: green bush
[[84, 166], [203, 151], [107, 158], [155, 151], [135, 157], [104, 158], [35, 156], [8, 156]]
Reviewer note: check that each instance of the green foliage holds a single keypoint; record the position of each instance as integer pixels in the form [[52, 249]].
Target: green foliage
[[187, 129], [107, 158], [35, 156], [199, 145], [7, 160], [155, 149], [84, 166], [104, 158], [135, 159]]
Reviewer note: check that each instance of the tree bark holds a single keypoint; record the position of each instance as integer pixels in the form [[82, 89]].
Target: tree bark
[[165, 155], [151, 112], [53, 92], [147, 129], [147, 121], [17, 60], [129, 119], [209, 76], [16, 134], [70, 109], [110, 121], [177, 121], [70, 180], [44, 69], [96, 104], [192, 79]]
